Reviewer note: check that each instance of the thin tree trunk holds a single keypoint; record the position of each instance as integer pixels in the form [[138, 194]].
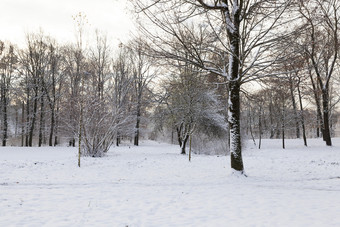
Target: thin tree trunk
[[56, 126], [260, 127], [327, 134], [50, 140], [302, 116], [16, 123], [22, 124], [190, 148], [118, 139], [178, 130], [5, 119], [283, 125], [41, 128], [28, 122], [271, 120], [34, 117], [136, 139]]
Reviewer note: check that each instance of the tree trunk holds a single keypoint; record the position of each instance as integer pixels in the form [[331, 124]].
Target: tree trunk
[[327, 134], [41, 125], [34, 117], [56, 126], [28, 122], [22, 124], [178, 130], [235, 129], [302, 116], [16, 132], [184, 142], [136, 139], [118, 139], [5, 119], [271, 120], [50, 140], [260, 127], [283, 129], [190, 148], [234, 98]]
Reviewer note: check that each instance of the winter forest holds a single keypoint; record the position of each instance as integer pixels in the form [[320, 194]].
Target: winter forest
[[215, 99]]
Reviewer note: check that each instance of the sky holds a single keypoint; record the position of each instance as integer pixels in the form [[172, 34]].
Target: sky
[[54, 17]]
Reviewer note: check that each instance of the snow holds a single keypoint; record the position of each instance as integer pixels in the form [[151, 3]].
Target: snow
[[153, 185]]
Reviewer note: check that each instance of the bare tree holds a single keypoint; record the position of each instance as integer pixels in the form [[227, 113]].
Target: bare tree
[[238, 33], [143, 74], [34, 62], [322, 47], [189, 104], [8, 61]]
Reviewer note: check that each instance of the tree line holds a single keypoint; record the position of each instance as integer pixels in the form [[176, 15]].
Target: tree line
[[50, 93], [201, 72]]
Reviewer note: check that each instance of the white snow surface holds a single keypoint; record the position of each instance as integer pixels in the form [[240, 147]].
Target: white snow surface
[[153, 185]]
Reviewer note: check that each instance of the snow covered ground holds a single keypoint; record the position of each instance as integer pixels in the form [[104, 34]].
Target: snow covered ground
[[153, 185]]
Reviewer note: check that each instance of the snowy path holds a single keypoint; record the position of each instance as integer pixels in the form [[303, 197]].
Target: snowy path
[[152, 185]]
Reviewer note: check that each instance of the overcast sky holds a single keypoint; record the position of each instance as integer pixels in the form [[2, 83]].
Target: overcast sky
[[18, 17]]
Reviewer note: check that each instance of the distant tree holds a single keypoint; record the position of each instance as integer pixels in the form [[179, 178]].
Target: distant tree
[[143, 73], [321, 46], [8, 61], [121, 93], [188, 104], [34, 62]]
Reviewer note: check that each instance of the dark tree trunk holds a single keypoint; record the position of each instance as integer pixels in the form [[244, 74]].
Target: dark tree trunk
[[234, 124], [118, 139], [234, 97], [41, 124], [56, 126], [178, 130], [22, 124], [136, 139], [184, 142], [302, 116], [16, 123], [50, 140], [283, 125], [5, 119], [34, 117], [271, 120], [260, 127], [327, 134], [28, 122]]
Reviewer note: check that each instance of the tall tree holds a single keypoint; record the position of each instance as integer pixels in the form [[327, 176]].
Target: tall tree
[[34, 62], [322, 19], [238, 33], [8, 61], [143, 74]]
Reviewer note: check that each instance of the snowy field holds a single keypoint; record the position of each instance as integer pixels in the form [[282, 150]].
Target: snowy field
[[153, 185]]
